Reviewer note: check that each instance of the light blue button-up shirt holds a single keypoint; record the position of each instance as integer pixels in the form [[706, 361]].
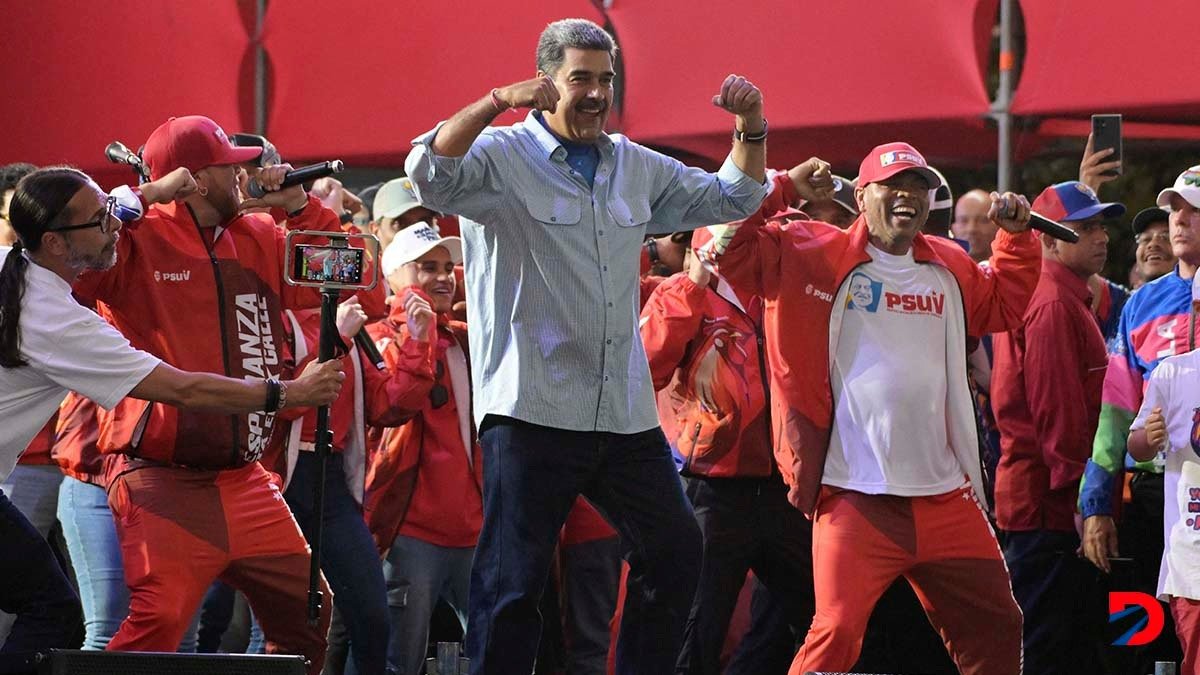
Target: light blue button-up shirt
[[552, 266]]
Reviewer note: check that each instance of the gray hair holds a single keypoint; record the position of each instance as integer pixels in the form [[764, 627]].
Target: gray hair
[[576, 33]]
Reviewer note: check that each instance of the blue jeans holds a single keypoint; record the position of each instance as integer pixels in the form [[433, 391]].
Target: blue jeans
[[532, 475], [418, 574], [348, 559], [95, 552], [34, 588]]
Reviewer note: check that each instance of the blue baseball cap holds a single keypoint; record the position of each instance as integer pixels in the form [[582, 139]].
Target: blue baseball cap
[[1071, 200]]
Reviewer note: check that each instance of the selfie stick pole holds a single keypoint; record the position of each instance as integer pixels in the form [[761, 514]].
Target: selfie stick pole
[[329, 304]]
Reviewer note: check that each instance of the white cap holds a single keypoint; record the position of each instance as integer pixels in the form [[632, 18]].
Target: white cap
[[1187, 186], [395, 198], [415, 241]]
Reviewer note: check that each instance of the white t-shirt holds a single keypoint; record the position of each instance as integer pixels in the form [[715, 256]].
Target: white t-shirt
[[68, 347], [1175, 386], [890, 420]]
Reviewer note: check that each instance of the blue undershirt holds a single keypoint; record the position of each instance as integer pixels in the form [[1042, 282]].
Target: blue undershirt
[[583, 157]]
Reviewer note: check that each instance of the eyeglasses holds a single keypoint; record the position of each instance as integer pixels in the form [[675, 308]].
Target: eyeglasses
[[1147, 237], [104, 222], [439, 395]]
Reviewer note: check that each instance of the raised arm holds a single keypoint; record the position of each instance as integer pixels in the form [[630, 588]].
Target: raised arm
[[456, 136]]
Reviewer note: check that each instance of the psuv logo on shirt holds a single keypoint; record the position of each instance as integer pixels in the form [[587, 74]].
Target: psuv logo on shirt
[[912, 303], [172, 276], [868, 295]]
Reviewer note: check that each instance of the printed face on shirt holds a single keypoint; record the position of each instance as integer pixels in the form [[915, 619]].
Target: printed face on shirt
[[585, 90], [89, 248], [1184, 223], [896, 208], [864, 292]]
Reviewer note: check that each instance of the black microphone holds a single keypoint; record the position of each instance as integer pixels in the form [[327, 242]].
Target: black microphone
[[1055, 229], [298, 176], [364, 343], [117, 153]]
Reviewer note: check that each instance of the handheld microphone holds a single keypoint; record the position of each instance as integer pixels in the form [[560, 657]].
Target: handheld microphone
[[364, 343], [298, 176], [1057, 230], [117, 153]]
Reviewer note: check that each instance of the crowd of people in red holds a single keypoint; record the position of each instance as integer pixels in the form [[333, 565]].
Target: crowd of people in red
[[631, 416]]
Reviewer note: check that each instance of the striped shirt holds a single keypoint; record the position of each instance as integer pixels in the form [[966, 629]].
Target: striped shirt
[[552, 266]]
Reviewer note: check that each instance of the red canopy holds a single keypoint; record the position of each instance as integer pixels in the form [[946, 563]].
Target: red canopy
[[78, 75], [361, 79], [837, 78], [1085, 57]]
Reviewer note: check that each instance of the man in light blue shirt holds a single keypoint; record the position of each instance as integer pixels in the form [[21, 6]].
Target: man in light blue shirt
[[554, 214]]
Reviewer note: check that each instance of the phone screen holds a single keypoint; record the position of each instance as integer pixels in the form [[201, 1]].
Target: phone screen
[[1106, 133], [328, 264]]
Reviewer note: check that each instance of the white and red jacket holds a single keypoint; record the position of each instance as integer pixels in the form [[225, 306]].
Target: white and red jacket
[[201, 301], [710, 332], [369, 396], [425, 478], [799, 266]]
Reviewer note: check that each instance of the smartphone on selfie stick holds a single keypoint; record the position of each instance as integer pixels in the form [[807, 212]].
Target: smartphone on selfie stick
[[333, 267]]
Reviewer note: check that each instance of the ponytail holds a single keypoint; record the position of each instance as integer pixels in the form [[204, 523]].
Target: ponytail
[[12, 289], [37, 206]]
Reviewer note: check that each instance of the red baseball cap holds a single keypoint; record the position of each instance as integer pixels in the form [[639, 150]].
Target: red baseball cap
[[194, 142], [889, 159]]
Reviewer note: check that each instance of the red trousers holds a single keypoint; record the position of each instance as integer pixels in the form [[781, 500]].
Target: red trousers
[[180, 529], [1186, 613], [943, 545]]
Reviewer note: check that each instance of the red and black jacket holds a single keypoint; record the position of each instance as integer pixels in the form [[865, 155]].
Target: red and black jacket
[[201, 301]]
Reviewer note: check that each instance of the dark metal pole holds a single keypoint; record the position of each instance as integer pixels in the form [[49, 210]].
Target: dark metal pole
[[329, 304], [1002, 108], [260, 71]]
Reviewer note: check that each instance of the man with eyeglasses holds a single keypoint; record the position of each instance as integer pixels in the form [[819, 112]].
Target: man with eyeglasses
[[1157, 322], [424, 499], [50, 344]]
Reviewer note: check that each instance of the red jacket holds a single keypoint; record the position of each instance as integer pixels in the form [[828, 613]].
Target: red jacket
[[198, 307], [420, 480], [797, 268], [75, 439], [38, 452], [369, 396], [693, 332], [1047, 378]]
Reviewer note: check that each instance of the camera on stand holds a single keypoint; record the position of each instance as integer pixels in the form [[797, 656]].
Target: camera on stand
[[333, 267]]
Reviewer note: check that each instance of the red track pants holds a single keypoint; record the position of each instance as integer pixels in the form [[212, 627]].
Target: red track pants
[[180, 529], [946, 549]]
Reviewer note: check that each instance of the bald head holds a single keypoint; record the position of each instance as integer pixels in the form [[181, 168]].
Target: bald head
[[971, 223]]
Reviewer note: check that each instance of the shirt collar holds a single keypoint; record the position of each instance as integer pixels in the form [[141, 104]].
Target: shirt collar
[[553, 148], [1062, 276]]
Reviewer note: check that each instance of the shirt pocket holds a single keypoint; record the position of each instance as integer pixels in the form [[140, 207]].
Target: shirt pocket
[[629, 211], [555, 208]]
